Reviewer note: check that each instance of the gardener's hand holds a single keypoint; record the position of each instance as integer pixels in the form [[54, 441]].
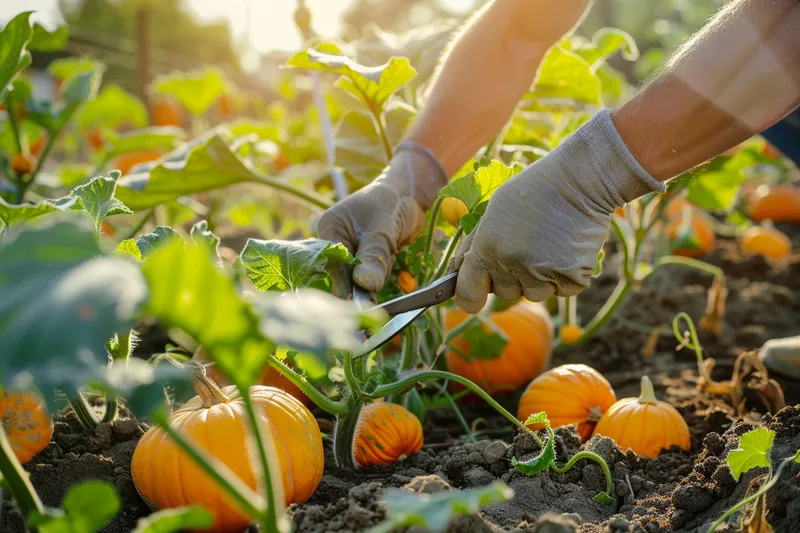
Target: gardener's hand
[[543, 228], [387, 214]]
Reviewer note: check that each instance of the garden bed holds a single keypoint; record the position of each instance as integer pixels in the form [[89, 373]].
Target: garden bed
[[677, 492]]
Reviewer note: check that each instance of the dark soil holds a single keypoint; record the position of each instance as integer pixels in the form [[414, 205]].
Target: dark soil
[[677, 492]]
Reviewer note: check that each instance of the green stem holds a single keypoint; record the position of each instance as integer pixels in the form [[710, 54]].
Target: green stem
[[82, 410], [603, 315], [410, 346], [387, 145], [25, 184], [623, 241], [345, 431], [242, 495], [350, 378], [322, 401], [694, 341], [17, 481], [685, 261], [12, 120], [451, 247], [272, 519], [309, 197], [763, 490], [437, 206], [112, 408], [586, 455]]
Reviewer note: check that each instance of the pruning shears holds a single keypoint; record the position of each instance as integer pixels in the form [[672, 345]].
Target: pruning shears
[[404, 309]]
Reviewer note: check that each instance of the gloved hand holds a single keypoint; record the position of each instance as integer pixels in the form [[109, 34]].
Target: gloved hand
[[544, 227], [389, 213], [782, 356]]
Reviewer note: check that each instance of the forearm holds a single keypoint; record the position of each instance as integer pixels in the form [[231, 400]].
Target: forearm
[[737, 76], [485, 73]]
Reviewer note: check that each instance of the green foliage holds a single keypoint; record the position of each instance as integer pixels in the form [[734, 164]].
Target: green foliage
[[717, 187], [434, 511], [196, 90], [66, 68], [564, 80], [175, 520], [14, 54], [53, 116], [96, 199], [160, 236], [371, 85], [476, 188], [155, 138], [290, 265], [202, 236], [86, 507], [605, 43], [483, 344], [11, 214], [546, 456], [48, 41], [113, 107], [129, 248], [753, 451]]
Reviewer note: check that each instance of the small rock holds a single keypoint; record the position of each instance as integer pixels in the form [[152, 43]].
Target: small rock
[[126, 428], [68, 441], [494, 451], [723, 477], [477, 476], [618, 525], [553, 523], [427, 484]]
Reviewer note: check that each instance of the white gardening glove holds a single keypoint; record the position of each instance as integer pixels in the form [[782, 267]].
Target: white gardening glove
[[384, 216], [782, 356], [544, 227]]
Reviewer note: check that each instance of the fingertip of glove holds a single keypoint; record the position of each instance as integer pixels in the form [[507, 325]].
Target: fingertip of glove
[[369, 275], [469, 306]]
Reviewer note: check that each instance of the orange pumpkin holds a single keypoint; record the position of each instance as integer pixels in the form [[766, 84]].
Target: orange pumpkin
[[22, 164], [26, 422], [780, 203], [125, 162], [530, 337], [167, 113], [216, 421], [644, 424], [35, 148], [406, 281], [226, 105], [701, 228], [95, 138], [766, 241], [569, 394], [453, 209], [570, 333], [385, 433]]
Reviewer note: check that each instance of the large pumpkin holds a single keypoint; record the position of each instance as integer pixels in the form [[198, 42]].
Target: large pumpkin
[[125, 162], [385, 433], [216, 421], [780, 203], [766, 241], [530, 337], [26, 422], [644, 424], [569, 394]]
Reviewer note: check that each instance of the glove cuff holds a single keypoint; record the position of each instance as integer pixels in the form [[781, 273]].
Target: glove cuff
[[612, 177], [417, 172]]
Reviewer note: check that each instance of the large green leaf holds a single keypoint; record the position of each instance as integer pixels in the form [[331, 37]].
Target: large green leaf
[[717, 186], [65, 68], [372, 85], [87, 507], [290, 265], [210, 164], [14, 55], [160, 236], [476, 188], [48, 41], [434, 511], [61, 303], [196, 90], [175, 520], [11, 214], [189, 292], [96, 199], [113, 107], [753, 451], [564, 79], [165, 138], [53, 116], [359, 149]]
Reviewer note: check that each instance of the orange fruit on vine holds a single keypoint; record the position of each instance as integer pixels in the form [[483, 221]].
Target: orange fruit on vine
[[22, 164], [766, 241], [701, 228], [95, 138], [570, 333], [779, 203], [167, 113], [125, 162], [385, 433], [36, 147], [406, 281], [453, 209]]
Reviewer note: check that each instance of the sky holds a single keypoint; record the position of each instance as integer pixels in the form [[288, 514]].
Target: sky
[[271, 22]]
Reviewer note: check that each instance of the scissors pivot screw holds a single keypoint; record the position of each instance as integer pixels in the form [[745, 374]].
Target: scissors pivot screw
[[438, 294]]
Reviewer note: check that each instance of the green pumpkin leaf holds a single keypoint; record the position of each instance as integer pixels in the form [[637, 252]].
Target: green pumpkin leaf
[[371, 85], [435, 511], [53, 116], [87, 507], [753, 451], [65, 68], [202, 236], [113, 107], [196, 90], [48, 41], [476, 189], [128, 247], [483, 344], [603, 497], [546, 457], [61, 303], [537, 418], [14, 54], [207, 164], [290, 265], [605, 43], [11, 214], [175, 520], [150, 242], [564, 80], [165, 138], [96, 199]]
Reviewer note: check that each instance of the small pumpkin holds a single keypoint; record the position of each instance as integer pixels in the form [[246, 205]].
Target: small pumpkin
[[27, 423], [22, 164], [766, 241], [226, 105], [385, 433], [36, 147], [453, 209], [780, 203], [570, 333], [645, 424], [530, 338], [167, 113], [95, 138], [406, 281], [125, 162], [701, 228], [569, 394], [217, 422]]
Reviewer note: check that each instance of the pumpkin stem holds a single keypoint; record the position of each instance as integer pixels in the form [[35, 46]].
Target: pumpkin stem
[[595, 414], [205, 387], [648, 393], [344, 434]]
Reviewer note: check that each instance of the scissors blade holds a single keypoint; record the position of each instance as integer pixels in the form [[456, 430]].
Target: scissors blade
[[437, 292], [397, 324]]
